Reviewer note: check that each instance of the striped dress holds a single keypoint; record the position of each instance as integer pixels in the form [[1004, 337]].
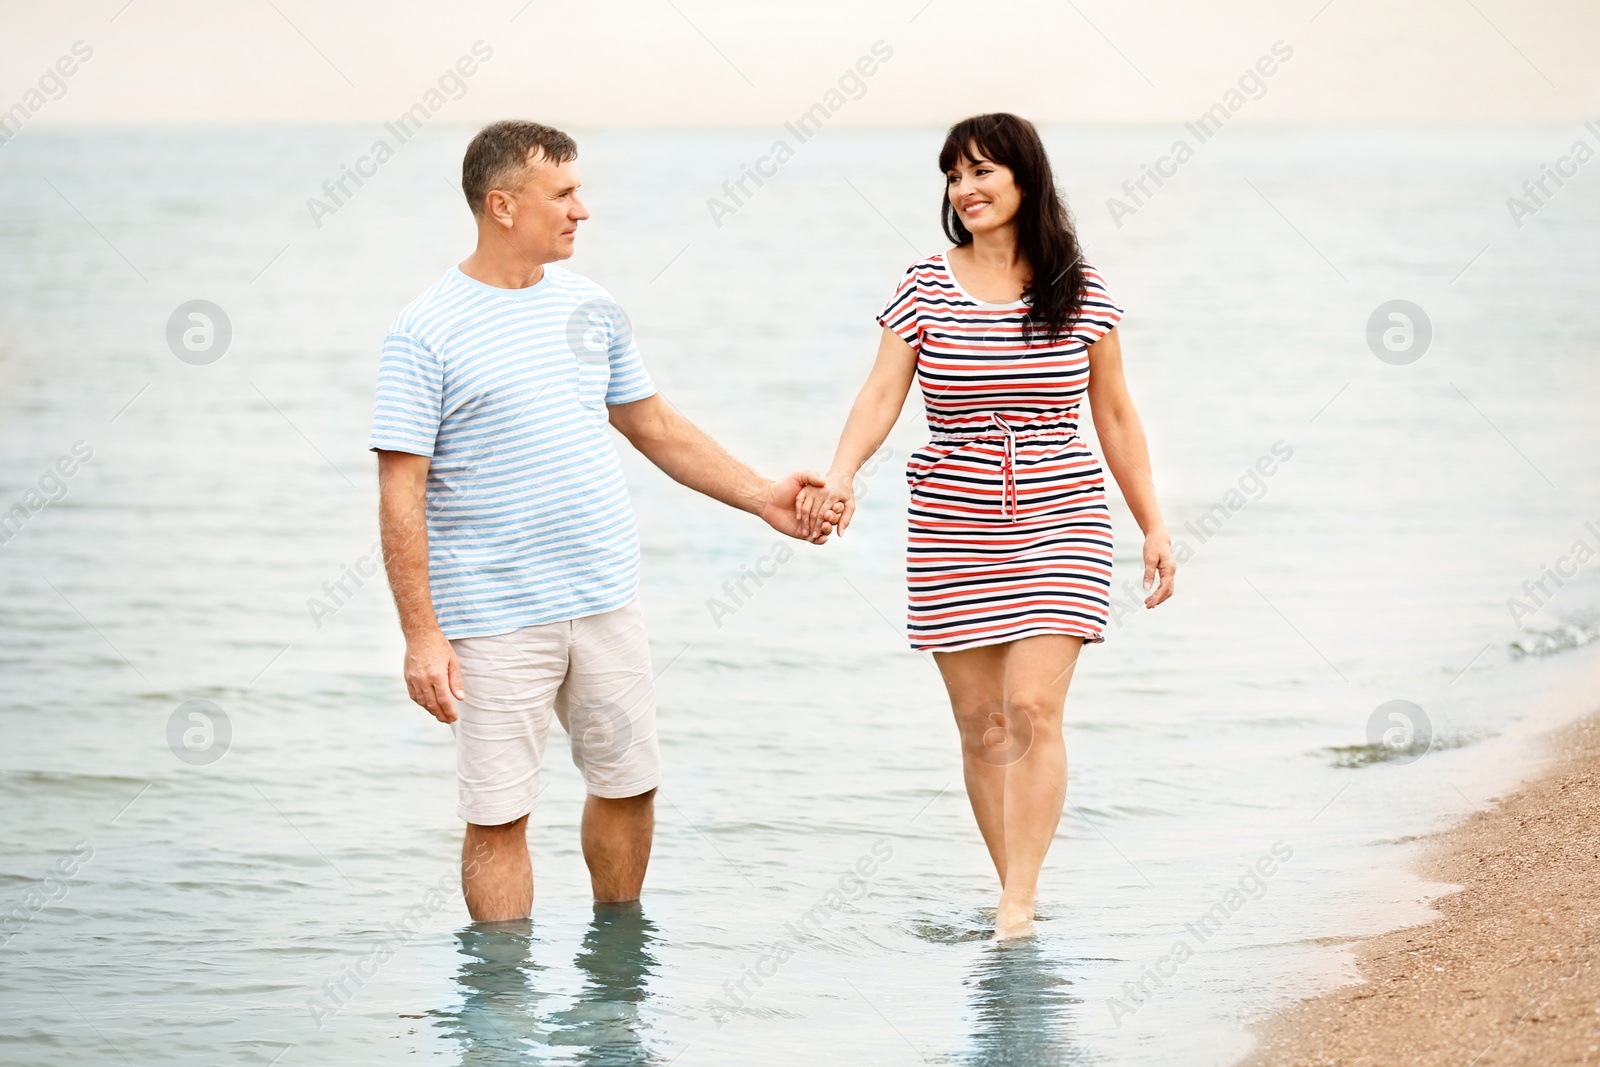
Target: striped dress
[[1008, 534]]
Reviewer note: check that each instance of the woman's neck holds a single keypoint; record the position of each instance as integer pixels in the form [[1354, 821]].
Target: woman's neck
[[997, 250]]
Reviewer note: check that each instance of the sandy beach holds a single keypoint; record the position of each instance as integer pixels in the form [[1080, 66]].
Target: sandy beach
[[1510, 971]]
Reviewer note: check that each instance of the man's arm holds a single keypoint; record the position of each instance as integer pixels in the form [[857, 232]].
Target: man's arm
[[688, 456], [433, 674]]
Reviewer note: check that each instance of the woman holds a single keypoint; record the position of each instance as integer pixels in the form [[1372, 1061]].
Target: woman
[[1009, 554]]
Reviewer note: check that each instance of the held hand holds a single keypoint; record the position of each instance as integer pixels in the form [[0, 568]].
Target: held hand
[[784, 497], [433, 675], [834, 502], [1158, 560], [817, 505], [811, 507]]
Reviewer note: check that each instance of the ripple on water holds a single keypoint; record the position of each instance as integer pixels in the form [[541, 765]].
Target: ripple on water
[[975, 926]]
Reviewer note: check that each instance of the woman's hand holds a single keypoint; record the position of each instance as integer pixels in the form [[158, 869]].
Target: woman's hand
[[834, 502], [782, 508], [1158, 561]]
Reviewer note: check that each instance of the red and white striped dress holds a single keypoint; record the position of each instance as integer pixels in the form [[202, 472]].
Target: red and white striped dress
[[1008, 534]]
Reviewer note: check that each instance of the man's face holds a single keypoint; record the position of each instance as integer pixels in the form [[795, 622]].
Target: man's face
[[546, 211]]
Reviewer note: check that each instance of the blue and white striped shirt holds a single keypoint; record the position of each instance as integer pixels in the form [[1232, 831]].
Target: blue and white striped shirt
[[506, 390]]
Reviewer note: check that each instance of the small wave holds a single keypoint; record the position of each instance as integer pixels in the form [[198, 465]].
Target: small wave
[[1352, 756], [1561, 639]]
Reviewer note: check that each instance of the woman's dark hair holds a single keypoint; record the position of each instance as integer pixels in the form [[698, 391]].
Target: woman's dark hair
[[1044, 226]]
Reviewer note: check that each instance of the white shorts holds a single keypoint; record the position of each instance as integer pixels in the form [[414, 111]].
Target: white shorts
[[593, 673]]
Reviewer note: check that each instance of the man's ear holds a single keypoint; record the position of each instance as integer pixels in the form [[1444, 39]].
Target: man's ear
[[500, 207]]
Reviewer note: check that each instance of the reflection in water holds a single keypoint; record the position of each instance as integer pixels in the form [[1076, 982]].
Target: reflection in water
[[502, 1019], [604, 1024], [1021, 1008], [497, 1021]]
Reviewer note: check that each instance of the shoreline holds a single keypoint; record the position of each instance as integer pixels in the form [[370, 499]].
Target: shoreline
[[1509, 971]]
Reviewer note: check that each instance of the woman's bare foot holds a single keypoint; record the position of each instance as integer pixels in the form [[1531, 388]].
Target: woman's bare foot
[[1013, 918]]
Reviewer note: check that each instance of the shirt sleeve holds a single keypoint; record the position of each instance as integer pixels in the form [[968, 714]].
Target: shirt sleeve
[[406, 415], [629, 380], [900, 314], [1100, 312], [626, 375]]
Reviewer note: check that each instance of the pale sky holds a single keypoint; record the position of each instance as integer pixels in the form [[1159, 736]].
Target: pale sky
[[756, 63]]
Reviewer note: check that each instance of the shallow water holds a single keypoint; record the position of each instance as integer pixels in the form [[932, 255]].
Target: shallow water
[[283, 902]]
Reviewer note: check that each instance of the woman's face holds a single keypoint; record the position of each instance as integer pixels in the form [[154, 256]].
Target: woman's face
[[984, 193]]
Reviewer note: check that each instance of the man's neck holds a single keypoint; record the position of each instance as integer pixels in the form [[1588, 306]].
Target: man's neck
[[494, 262]]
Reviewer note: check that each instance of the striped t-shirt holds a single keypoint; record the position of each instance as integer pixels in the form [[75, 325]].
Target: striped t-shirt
[[506, 390]]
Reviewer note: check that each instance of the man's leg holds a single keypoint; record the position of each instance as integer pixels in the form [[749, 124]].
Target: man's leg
[[608, 706], [511, 681], [496, 874], [617, 832]]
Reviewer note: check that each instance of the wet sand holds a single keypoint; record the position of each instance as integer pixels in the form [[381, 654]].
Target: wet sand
[[1510, 971]]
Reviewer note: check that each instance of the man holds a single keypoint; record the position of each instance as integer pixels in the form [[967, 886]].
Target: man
[[507, 530]]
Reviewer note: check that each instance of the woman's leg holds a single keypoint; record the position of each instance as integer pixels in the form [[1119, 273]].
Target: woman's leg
[[975, 679], [1038, 671]]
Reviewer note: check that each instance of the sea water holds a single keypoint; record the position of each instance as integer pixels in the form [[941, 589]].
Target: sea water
[[1365, 517]]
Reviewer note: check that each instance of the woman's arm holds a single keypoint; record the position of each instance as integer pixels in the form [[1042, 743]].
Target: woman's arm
[[1121, 433], [873, 415]]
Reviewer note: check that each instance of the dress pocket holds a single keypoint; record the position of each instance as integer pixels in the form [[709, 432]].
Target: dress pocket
[[924, 460]]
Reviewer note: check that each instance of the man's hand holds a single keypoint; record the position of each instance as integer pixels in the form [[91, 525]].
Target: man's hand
[[433, 675], [779, 510]]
